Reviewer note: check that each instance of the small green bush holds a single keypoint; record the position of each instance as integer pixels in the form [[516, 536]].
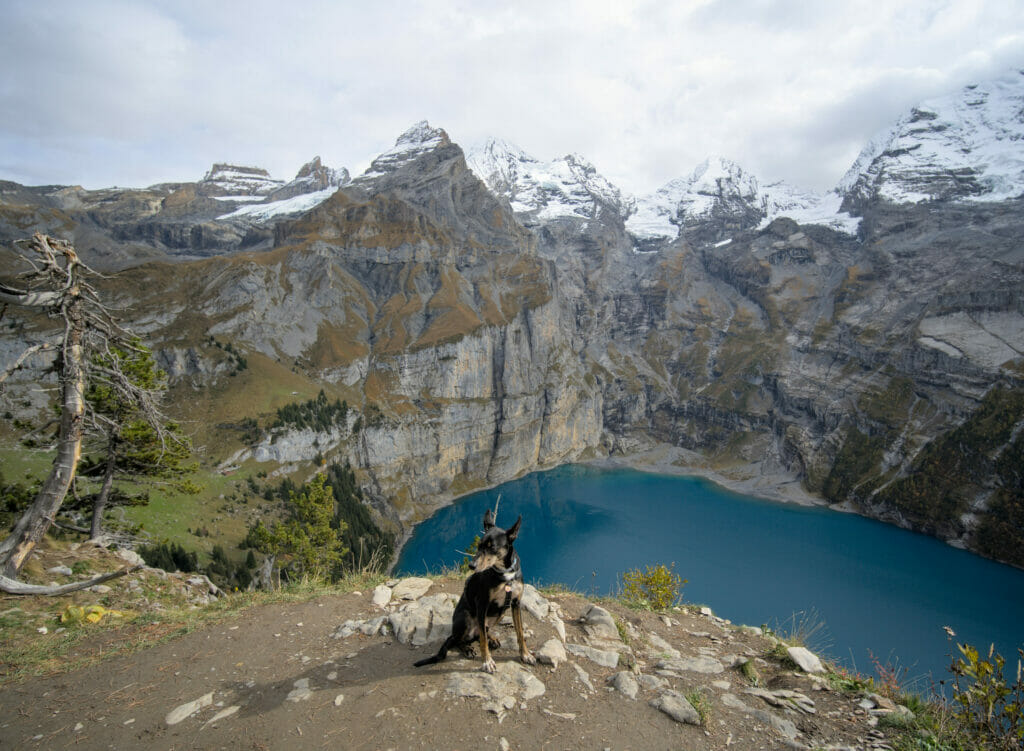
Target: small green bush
[[700, 702], [985, 703], [749, 670], [656, 588]]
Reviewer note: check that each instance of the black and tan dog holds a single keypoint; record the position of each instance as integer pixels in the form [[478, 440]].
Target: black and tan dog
[[495, 585]]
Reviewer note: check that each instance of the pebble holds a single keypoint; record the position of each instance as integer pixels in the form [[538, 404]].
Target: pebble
[[301, 691]]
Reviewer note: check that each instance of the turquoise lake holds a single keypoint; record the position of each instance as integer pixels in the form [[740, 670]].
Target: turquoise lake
[[878, 589]]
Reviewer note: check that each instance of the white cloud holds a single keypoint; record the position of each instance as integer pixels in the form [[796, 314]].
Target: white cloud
[[119, 92]]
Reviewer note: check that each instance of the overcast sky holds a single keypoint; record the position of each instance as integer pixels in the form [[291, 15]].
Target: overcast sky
[[106, 92]]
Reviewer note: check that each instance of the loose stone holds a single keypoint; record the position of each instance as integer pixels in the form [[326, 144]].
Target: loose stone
[[677, 707]]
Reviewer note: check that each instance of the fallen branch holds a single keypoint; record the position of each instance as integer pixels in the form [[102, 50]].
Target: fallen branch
[[35, 348], [70, 527], [14, 587]]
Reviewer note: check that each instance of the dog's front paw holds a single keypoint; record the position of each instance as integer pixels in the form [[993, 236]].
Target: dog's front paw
[[489, 666], [528, 658]]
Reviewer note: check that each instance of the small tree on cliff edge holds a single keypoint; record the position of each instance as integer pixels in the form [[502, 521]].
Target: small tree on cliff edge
[[57, 283]]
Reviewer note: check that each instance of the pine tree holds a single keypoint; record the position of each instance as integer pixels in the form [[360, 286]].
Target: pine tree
[[307, 542], [134, 449]]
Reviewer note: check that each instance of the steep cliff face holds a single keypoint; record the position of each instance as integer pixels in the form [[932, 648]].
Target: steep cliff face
[[417, 293], [488, 319]]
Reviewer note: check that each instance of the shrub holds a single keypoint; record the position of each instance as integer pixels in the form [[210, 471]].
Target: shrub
[[700, 703], [985, 703], [657, 588]]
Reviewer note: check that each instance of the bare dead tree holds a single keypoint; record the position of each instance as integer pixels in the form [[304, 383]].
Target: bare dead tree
[[58, 284]]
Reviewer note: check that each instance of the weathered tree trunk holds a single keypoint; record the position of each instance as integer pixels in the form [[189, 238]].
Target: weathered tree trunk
[[99, 505], [20, 588], [36, 520]]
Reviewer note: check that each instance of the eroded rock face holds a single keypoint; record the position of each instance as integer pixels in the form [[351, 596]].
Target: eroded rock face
[[489, 330]]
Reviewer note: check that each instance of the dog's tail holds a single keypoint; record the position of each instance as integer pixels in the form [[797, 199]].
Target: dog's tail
[[433, 660]]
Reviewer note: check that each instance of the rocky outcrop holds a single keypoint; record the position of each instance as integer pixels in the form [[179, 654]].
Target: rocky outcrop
[[234, 180]]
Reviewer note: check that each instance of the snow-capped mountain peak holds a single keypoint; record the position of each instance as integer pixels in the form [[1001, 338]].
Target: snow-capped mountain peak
[[719, 191], [543, 191], [967, 146], [319, 176], [418, 140]]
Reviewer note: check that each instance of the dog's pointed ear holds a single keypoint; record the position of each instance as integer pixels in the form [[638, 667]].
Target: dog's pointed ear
[[513, 531], [488, 520]]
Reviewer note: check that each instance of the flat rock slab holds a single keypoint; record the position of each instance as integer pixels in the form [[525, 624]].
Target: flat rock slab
[[582, 676], [412, 588], [501, 690], [660, 648], [650, 682], [603, 658], [702, 664], [781, 725], [426, 620]]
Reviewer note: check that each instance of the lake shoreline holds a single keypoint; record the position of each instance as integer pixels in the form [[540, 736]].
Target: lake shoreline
[[666, 459], [751, 479]]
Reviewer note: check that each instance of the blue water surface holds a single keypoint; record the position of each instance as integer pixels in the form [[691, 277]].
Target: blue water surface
[[879, 590]]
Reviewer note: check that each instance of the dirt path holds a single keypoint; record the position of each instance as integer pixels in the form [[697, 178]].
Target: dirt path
[[277, 677]]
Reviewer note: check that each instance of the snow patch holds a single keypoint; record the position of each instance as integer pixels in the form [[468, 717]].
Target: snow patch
[[296, 205]]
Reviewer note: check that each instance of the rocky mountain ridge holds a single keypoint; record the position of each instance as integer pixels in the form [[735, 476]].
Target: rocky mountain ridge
[[483, 328]]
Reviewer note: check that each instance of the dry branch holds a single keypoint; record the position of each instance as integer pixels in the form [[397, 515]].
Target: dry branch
[[14, 587]]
